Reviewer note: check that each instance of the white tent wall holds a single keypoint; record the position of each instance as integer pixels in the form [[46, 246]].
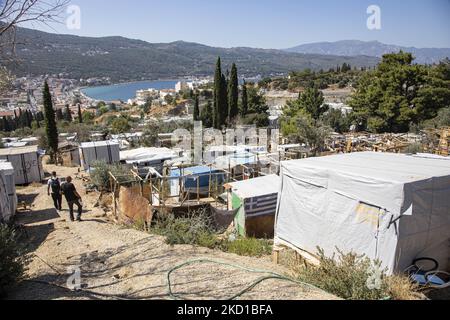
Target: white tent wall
[[106, 151], [425, 233], [27, 163], [5, 208], [394, 214], [10, 186]]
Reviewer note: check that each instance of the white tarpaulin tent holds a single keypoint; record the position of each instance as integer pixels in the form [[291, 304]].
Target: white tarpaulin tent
[[8, 196], [106, 151], [390, 207], [27, 163], [148, 156]]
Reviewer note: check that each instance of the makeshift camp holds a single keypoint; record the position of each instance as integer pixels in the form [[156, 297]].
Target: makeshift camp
[[69, 154], [27, 163], [106, 151], [391, 207], [256, 200], [8, 197]]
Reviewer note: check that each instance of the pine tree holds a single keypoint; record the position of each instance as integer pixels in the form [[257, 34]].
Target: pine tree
[[196, 108], [233, 94], [50, 123], [80, 116], [244, 106], [68, 114]]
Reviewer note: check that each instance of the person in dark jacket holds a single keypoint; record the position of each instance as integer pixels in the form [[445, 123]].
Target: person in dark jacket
[[73, 198]]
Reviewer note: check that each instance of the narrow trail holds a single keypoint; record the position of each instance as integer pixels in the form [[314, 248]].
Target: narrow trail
[[121, 262]]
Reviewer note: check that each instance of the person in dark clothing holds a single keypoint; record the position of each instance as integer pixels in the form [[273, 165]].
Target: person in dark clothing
[[73, 198], [54, 189]]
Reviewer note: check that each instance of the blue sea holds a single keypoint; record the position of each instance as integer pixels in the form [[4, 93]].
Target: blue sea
[[125, 91]]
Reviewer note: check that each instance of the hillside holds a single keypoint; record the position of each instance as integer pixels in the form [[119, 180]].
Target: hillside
[[370, 48], [126, 59]]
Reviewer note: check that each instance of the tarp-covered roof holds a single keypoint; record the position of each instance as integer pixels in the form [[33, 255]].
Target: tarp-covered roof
[[256, 187], [147, 155], [390, 167], [17, 151]]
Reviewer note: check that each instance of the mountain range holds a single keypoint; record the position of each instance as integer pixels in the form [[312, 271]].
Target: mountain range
[[371, 48], [124, 59]]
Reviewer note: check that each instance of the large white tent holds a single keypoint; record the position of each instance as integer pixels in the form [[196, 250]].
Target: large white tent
[[390, 207]]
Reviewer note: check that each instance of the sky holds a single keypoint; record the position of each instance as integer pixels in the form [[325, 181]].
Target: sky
[[276, 24]]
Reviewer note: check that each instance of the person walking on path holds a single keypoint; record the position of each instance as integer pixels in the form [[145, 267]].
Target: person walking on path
[[54, 189], [73, 198]]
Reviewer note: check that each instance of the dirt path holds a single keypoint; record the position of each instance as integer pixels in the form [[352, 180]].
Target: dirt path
[[117, 261]]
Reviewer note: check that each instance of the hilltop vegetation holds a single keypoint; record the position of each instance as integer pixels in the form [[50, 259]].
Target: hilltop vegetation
[[125, 59], [340, 76]]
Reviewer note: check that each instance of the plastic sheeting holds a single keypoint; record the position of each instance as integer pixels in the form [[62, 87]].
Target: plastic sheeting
[[147, 156], [390, 207]]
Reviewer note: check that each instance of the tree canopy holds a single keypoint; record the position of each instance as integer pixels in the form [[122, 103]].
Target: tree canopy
[[399, 94]]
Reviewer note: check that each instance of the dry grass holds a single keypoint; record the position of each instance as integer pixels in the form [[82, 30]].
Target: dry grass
[[35, 185], [106, 201], [347, 275], [401, 288]]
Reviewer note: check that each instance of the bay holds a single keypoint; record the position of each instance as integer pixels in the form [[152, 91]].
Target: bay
[[125, 91]]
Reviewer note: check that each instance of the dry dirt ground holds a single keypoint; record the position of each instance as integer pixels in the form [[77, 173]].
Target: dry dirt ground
[[117, 262]]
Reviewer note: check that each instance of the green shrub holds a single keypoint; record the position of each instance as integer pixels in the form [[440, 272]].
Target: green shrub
[[198, 229], [194, 229], [249, 247], [12, 259], [349, 276], [100, 174], [414, 148]]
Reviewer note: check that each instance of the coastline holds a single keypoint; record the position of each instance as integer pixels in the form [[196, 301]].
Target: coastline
[[81, 89]]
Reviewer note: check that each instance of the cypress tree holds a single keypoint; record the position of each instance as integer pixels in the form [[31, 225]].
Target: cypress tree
[[29, 118], [68, 114], [223, 110], [59, 115], [196, 108], [80, 116], [244, 107], [217, 94], [50, 123], [233, 94], [6, 126], [207, 115]]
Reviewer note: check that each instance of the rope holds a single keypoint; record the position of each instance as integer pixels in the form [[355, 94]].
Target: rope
[[270, 276]]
